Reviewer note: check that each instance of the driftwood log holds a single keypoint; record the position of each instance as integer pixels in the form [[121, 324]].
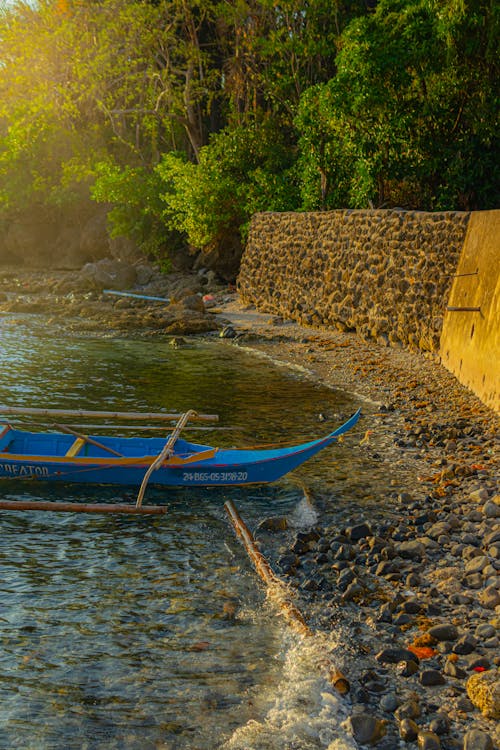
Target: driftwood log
[[278, 592]]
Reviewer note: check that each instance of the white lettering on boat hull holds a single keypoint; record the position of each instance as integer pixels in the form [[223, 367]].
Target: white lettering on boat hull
[[23, 470]]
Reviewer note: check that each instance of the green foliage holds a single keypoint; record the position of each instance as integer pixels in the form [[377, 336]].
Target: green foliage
[[409, 119], [227, 108], [241, 171], [136, 210]]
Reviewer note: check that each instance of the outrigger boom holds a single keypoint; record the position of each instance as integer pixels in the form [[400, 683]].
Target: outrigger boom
[[21, 410]]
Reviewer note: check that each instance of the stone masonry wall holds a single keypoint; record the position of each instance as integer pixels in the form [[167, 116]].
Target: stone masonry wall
[[385, 274]]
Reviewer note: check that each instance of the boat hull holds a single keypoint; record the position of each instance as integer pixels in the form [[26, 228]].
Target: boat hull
[[217, 467]]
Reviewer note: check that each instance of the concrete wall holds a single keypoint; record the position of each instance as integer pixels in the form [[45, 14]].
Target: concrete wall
[[470, 341], [387, 275]]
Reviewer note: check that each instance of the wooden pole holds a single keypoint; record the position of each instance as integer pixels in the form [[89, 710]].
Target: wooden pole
[[88, 439], [165, 452], [106, 414], [155, 510], [277, 590]]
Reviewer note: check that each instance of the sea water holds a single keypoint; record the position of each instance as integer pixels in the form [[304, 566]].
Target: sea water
[[144, 633]]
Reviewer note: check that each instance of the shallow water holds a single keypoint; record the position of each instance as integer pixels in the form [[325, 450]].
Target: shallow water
[[146, 633]]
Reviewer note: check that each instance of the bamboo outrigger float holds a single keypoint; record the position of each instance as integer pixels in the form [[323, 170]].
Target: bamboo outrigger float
[[74, 457]]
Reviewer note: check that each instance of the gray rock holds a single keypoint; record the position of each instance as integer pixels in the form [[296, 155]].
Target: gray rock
[[485, 630], [431, 677], [473, 581], [476, 564], [479, 496], [389, 702], [465, 645], [366, 729], [444, 632], [395, 655], [412, 550], [428, 741], [489, 598], [491, 509], [438, 529], [359, 531], [453, 670], [408, 710], [408, 730], [440, 724], [475, 739], [407, 668]]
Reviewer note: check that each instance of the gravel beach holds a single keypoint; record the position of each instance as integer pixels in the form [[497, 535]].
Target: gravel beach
[[415, 588]]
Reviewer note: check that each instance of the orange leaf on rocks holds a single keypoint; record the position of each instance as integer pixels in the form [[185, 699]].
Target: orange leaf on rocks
[[423, 652]]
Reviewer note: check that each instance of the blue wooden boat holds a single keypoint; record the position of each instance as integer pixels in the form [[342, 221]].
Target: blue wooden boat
[[62, 457]]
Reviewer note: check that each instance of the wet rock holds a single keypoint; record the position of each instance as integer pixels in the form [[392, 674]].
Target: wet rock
[[228, 332], [484, 691], [408, 730], [359, 531], [412, 550], [288, 563], [193, 302], [489, 598], [465, 645], [395, 655], [389, 702], [430, 677], [476, 739], [453, 670], [479, 496], [427, 740], [366, 729], [408, 710], [491, 509], [273, 524], [444, 632], [407, 668], [177, 342], [108, 274], [440, 724], [353, 591]]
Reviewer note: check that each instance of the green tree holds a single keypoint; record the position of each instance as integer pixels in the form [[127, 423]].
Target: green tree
[[242, 170], [409, 118]]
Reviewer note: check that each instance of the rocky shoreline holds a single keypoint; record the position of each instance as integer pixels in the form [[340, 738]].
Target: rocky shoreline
[[414, 588]]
